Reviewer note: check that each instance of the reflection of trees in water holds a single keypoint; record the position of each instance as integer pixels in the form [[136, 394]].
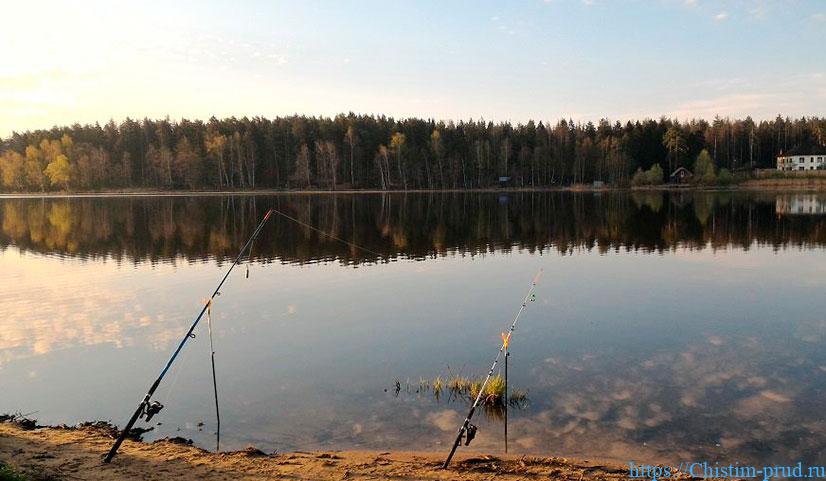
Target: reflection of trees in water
[[413, 225]]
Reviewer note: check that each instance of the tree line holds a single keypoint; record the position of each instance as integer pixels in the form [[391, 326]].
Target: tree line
[[377, 152]]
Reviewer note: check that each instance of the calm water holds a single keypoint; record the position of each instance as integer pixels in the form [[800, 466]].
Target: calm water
[[666, 326]]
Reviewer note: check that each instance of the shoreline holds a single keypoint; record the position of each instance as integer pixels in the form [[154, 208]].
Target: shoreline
[[60, 452], [752, 185]]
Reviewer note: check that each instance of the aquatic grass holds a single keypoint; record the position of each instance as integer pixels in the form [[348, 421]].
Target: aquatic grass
[[493, 400], [459, 385], [494, 392], [475, 387], [518, 398], [437, 387], [495, 387]]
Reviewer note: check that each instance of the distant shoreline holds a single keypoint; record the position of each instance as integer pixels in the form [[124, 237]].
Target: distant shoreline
[[752, 185]]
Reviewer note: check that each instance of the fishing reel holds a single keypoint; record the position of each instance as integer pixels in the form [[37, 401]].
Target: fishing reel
[[470, 433], [150, 409]]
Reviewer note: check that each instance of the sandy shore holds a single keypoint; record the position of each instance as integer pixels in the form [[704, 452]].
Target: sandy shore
[[61, 453]]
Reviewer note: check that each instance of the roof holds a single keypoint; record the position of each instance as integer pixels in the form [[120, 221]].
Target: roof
[[679, 170], [804, 149]]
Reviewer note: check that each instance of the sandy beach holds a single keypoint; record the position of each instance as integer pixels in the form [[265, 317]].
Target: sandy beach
[[67, 453]]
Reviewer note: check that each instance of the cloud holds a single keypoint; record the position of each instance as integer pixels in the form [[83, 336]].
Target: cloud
[[720, 17], [729, 104], [279, 59], [761, 97], [819, 17]]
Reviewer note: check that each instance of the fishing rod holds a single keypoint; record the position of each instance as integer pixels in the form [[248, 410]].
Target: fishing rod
[[466, 427], [148, 409]]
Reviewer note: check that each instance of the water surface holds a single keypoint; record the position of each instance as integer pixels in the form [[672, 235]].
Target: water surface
[[666, 326]]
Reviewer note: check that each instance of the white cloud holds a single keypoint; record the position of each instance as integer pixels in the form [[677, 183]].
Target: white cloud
[[760, 98], [720, 17], [279, 59]]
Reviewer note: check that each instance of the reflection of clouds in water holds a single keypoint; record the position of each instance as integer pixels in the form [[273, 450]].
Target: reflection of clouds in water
[[446, 419], [811, 332], [764, 402], [75, 305], [734, 392], [715, 341]]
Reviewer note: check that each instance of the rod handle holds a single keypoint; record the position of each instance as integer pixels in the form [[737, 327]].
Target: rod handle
[[125, 432]]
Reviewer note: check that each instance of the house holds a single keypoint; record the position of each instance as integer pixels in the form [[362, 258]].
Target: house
[[504, 181], [680, 176], [811, 157]]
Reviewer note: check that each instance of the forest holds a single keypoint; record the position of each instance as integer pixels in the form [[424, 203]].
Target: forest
[[381, 153]]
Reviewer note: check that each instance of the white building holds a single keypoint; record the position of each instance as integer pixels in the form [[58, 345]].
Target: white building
[[800, 159]]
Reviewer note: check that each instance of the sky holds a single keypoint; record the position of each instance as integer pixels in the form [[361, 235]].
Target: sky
[[91, 61]]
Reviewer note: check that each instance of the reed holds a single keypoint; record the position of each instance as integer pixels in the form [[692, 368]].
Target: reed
[[437, 387], [518, 398], [459, 385], [494, 395]]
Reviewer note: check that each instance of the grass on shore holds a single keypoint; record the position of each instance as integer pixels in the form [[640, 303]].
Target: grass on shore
[[9, 474]]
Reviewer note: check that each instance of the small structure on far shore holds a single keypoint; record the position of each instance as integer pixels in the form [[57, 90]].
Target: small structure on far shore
[[808, 157], [504, 181], [680, 176]]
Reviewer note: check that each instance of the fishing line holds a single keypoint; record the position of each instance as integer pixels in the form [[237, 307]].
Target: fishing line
[[177, 373], [466, 427], [147, 408], [331, 236]]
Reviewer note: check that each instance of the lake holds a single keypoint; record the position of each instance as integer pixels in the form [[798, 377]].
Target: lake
[[667, 326]]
